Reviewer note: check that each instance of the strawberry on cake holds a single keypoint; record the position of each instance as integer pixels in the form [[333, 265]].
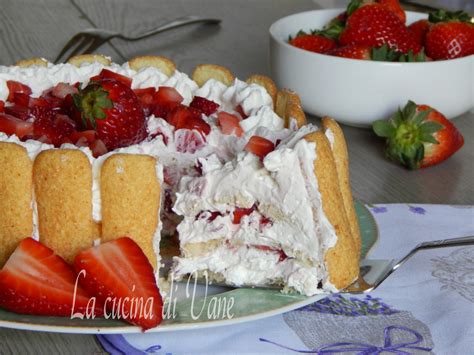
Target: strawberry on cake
[[94, 151]]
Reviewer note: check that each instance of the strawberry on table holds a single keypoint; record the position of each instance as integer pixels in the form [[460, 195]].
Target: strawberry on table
[[113, 110], [259, 146], [374, 25], [229, 124], [450, 36], [36, 281], [419, 136], [119, 270]]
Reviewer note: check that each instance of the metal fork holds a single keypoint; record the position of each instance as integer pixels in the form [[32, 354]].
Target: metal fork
[[89, 40], [361, 285]]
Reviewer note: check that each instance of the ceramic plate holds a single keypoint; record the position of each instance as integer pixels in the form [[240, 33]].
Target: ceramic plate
[[212, 305]]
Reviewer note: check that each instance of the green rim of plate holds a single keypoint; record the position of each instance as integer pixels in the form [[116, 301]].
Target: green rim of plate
[[248, 304]]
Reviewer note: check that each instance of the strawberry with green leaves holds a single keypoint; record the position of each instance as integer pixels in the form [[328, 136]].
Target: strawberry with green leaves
[[381, 54], [375, 25], [113, 110], [313, 42], [418, 136], [451, 35]]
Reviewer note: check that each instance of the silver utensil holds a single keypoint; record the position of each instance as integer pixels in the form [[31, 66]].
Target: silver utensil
[[362, 285], [372, 272], [89, 40]]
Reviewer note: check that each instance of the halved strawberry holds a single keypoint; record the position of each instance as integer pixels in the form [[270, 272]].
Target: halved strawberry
[[36, 281], [167, 97], [108, 74], [419, 136], [15, 87], [61, 90], [259, 146], [229, 124], [12, 125], [240, 212], [119, 274], [204, 105]]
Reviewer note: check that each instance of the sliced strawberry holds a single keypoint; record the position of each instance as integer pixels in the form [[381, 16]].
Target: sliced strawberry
[[204, 105], [188, 141], [259, 146], [21, 112], [119, 271], [183, 117], [12, 125], [229, 124], [240, 212], [146, 99], [167, 97], [15, 87], [419, 136], [21, 99], [108, 74], [2, 106], [61, 90], [87, 136], [241, 112], [36, 281], [98, 148]]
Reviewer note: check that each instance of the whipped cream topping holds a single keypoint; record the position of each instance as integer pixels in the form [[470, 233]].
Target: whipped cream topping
[[284, 189], [284, 186]]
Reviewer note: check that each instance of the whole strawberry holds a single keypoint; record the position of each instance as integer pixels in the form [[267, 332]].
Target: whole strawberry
[[374, 25], [381, 54], [450, 36], [313, 42], [418, 136], [113, 110], [419, 29]]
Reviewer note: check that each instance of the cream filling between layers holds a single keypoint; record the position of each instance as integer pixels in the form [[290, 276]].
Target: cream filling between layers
[[285, 190]]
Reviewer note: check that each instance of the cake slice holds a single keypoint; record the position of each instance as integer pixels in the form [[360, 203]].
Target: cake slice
[[276, 221]]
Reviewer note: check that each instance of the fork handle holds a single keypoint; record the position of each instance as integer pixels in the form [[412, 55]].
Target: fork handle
[[179, 22]]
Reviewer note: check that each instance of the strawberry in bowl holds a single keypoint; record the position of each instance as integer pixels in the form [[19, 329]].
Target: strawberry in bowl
[[380, 62]]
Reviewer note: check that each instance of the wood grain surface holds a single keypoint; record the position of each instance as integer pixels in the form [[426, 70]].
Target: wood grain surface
[[40, 28]]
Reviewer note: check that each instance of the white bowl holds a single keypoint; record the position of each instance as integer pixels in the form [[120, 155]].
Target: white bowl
[[358, 92]]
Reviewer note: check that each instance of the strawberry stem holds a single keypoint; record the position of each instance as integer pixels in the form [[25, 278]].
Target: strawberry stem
[[91, 103]]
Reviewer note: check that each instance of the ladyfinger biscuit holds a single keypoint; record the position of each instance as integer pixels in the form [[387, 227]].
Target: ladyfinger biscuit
[[266, 82], [342, 260], [130, 194], [78, 60], [16, 186], [341, 157], [32, 62], [288, 107], [63, 191], [165, 65], [203, 72]]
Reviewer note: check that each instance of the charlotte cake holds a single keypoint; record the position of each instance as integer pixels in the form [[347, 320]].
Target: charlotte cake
[[83, 194]]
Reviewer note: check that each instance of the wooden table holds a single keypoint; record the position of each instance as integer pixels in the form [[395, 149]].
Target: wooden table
[[31, 28]]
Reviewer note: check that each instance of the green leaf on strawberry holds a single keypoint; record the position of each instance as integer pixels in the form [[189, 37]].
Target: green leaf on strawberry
[[418, 136], [91, 103]]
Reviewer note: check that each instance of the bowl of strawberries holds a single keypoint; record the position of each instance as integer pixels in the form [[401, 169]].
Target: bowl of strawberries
[[361, 63]]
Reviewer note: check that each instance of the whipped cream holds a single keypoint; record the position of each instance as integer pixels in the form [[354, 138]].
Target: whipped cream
[[284, 189]]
